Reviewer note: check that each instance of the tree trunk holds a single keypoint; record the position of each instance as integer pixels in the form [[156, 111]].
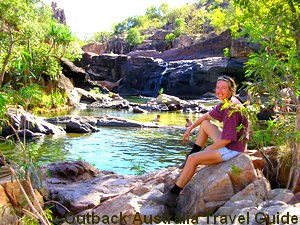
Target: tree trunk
[[296, 151], [6, 59], [297, 119], [295, 170]]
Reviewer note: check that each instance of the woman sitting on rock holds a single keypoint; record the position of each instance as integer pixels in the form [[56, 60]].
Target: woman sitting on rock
[[228, 142]]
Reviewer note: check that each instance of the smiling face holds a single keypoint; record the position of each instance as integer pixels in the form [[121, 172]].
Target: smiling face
[[223, 90]]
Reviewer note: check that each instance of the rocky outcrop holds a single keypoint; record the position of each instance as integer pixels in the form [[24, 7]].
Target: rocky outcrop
[[72, 171], [226, 192], [97, 48], [24, 123], [165, 102], [213, 185], [213, 47], [58, 13], [227, 189], [147, 76], [188, 71], [99, 121], [79, 126], [106, 190], [77, 75]]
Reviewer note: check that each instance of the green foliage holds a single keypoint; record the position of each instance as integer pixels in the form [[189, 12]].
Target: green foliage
[[236, 170], [159, 13], [30, 95], [277, 64], [134, 37], [52, 100], [180, 12], [48, 173], [101, 37], [61, 38], [137, 168], [274, 24], [170, 37], [32, 45], [271, 133], [3, 103], [186, 19], [216, 4], [218, 18], [196, 22], [161, 91], [32, 37], [26, 220], [96, 90], [120, 28], [110, 94], [222, 19], [179, 26], [226, 52], [80, 158]]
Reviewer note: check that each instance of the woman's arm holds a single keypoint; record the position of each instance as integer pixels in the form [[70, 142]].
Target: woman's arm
[[186, 134]]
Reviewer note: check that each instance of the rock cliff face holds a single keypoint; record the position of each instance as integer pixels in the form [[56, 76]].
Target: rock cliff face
[[189, 71], [147, 76]]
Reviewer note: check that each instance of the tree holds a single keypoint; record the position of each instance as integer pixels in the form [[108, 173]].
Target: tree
[[134, 37], [32, 45], [120, 28], [19, 27], [102, 36], [197, 19], [179, 26], [274, 24], [181, 12]]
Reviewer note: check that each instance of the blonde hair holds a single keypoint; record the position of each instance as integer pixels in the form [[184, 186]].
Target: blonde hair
[[230, 81]]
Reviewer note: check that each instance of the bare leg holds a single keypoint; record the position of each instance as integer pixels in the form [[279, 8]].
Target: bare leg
[[206, 157], [207, 129]]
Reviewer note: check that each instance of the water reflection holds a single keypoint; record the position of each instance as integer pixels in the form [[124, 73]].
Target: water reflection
[[123, 150], [42, 150], [126, 151], [129, 150]]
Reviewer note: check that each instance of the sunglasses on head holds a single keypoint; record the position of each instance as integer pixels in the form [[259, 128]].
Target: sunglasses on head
[[225, 78]]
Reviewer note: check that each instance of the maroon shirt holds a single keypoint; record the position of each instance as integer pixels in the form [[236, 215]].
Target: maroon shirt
[[235, 126]]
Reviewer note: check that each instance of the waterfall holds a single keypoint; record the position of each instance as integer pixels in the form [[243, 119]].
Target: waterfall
[[158, 82]]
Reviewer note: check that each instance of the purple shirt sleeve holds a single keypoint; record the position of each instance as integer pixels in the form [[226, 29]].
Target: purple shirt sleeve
[[216, 113]]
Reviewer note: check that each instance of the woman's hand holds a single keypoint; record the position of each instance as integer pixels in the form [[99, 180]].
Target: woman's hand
[[186, 135]]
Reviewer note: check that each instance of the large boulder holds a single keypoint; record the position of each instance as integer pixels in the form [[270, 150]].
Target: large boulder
[[95, 47], [28, 123], [79, 126], [213, 185]]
